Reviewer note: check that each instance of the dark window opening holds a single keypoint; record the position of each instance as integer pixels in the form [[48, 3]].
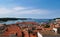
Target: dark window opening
[[22, 34]]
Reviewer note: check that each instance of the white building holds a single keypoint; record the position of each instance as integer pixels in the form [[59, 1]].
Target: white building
[[55, 29], [39, 35]]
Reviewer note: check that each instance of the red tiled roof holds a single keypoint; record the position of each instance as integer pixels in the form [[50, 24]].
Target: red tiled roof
[[34, 23], [13, 29]]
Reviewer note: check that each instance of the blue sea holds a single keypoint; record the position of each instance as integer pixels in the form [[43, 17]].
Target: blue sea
[[28, 20]]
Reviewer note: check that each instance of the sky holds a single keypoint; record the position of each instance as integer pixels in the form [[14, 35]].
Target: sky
[[41, 9]]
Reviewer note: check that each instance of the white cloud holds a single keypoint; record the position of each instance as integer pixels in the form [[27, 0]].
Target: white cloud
[[11, 10], [22, 10], [33, 11], [4, 11], [19, 8], [38, 11]]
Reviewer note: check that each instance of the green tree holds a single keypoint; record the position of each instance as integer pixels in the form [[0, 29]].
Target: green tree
[[47, 26]]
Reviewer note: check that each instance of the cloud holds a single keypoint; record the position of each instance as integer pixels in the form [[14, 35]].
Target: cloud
[[36, 11], [11, 10], [19, 8], [4, 11], [22, 11]]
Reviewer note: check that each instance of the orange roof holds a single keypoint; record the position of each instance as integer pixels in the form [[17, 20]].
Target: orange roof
[[34, 23], [13, 29]]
